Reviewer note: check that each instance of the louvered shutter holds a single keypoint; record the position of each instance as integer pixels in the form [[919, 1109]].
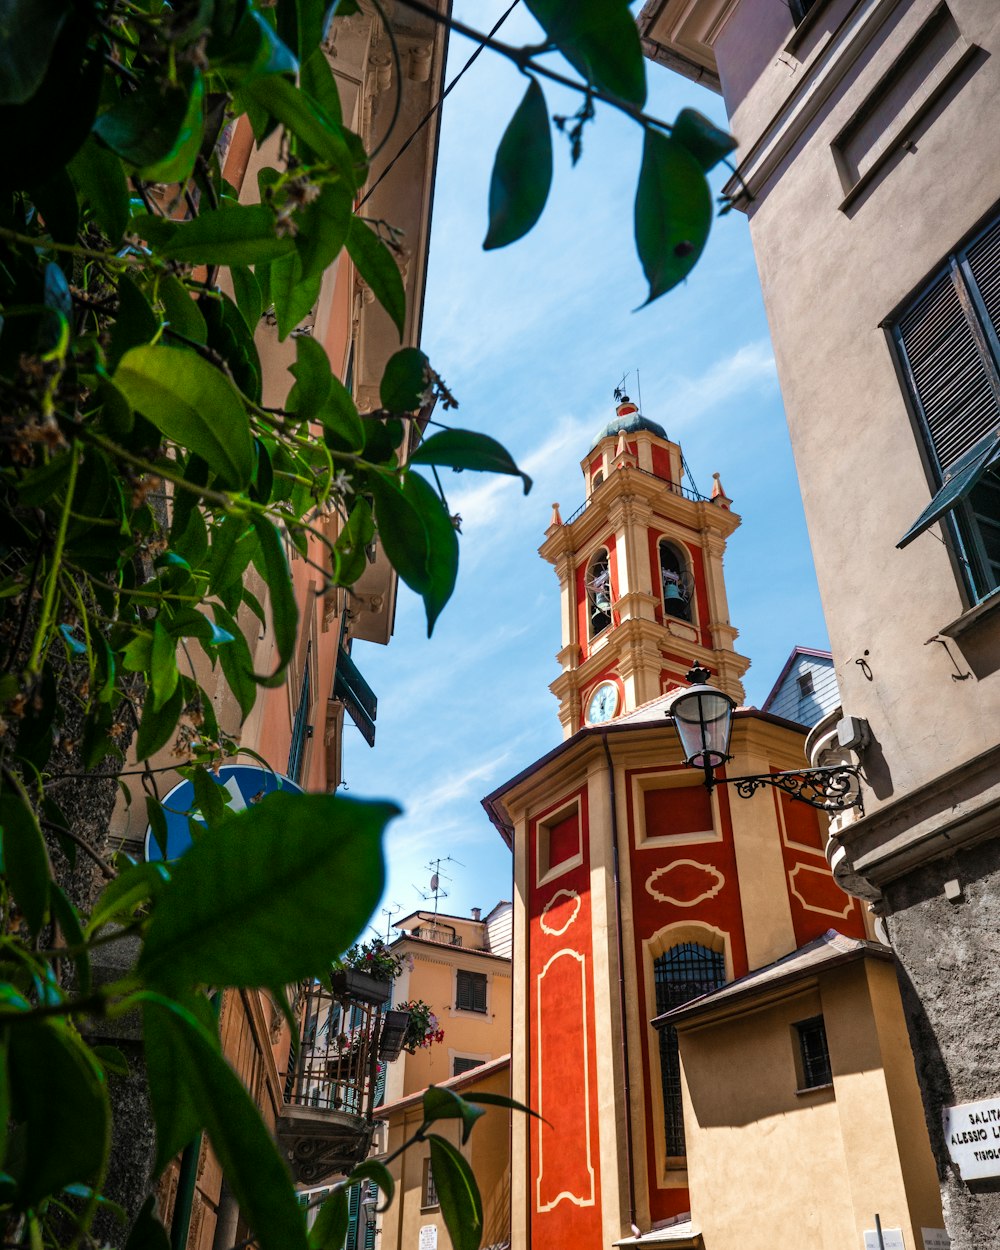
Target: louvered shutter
[[950, 376], [983, 260], [470, 991]]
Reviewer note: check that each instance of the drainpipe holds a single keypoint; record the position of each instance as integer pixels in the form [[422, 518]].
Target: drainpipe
[[180, 1223], [621, 982]]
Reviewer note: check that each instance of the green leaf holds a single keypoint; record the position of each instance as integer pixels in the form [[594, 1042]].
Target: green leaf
[[25, 859], [237, 662], [673, 212], [273, 567], [231, 337], [522, 171], [323, 226], [293, 295], [181, 312], [62, 1102], [706, 143], [28, 33], [176, 1109], [373, 1170], [176, 165], [163, 670], [147, 1233], [445, 1104], [112, 1060], [377, 266], [253, 48], [312, 378], [246, 288], [401, 531], [465, 449], [245, 1149], [405, 381], [345, 431], [239, 234], [192, 403], [501, 1100], [132, 888], [146, 126], [350, 558], [158, 724], [65, 915], [157, 823], [442, 545], [210, 798], [329, 1231], [232, 912], [306, 120], [318, 82], [135, 324], [100, 179], [458, 1194], [599, 38]]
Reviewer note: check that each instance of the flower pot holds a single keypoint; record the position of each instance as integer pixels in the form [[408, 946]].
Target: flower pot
[[361, 986]]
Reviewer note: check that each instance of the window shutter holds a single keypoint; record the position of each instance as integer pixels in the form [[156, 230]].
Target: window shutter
[[949, 375], [470, 991], [983, 260]]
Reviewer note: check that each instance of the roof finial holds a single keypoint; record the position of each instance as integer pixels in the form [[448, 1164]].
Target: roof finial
[[556, 518], [719, 496]]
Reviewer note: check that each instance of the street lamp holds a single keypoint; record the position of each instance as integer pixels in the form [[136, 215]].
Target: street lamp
[[703, 717]]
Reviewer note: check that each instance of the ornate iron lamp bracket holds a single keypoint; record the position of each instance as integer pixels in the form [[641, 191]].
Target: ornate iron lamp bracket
[[833, 789]]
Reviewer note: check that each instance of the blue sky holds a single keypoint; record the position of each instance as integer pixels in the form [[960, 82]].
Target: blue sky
[[532, 340]]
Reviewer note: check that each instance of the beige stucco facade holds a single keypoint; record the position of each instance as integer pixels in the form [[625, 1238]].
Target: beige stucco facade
[[867, 166]]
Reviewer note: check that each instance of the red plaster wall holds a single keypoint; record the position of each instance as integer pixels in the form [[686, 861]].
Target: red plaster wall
[[816, 901], [561, 1048], [661, 462], [677, 812]]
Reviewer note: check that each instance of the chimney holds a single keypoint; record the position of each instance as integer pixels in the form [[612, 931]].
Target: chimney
[[477, 913]]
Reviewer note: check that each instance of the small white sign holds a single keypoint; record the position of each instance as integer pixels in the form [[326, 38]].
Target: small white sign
[[935, 1239], [892, 1239], [972, 1133], [429, 1237]]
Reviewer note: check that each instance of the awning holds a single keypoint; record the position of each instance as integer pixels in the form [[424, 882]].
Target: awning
[[959, 479]]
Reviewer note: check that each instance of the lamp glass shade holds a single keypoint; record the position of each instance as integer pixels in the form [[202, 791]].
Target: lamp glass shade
[[704, 720]]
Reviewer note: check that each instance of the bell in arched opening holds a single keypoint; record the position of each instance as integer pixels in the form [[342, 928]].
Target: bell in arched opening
[[677, 582]]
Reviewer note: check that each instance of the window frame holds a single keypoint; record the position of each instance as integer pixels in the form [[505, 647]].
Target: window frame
[[955, 481], [683, 558], [813, 1027], [592, 608], [429, 1200]]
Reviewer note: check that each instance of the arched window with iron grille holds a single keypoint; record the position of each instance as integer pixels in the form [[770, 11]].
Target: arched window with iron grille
[[681, 973], [598, 584]]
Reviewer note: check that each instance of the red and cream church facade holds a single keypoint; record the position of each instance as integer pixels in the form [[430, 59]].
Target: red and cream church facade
[[640, 893]]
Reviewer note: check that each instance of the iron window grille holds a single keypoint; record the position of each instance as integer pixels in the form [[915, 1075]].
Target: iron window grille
[[429, 1194], [948, 342], [683, 972], [814, 1054], [470, 991]]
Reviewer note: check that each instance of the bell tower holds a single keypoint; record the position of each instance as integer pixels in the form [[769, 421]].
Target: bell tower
[[640, 574]]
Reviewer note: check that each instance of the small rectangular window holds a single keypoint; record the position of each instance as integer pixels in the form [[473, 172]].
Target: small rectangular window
[[462, 1064], [470, 991], [429, 1193], [814, 1054], [805, 684]]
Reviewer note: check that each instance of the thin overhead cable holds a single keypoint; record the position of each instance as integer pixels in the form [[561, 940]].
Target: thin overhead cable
[[434, 107]]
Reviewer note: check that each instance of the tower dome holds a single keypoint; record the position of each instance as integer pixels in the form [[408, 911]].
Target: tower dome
[[629, 419]]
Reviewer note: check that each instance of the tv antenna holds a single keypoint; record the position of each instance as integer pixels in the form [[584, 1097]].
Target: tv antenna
[[437, 891], [389, 912]]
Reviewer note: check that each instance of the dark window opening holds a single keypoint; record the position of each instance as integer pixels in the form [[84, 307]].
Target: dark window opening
[[470, 991], [814, 1054], [598, 584], [684, 972], [460, 1064], [677, 582], [800, 8], [949, 345], [805, 681], [429, 1193]]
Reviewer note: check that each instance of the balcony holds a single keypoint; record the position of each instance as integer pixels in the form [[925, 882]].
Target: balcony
[[345, 1033]]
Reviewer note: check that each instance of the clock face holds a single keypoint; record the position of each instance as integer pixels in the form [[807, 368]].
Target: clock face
[[603, 703]]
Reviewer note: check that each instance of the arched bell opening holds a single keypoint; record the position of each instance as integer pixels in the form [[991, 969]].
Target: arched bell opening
[[676, 581], [598, 584]]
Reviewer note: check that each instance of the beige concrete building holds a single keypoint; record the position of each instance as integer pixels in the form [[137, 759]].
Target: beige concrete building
[[461, 967], [867, 167]]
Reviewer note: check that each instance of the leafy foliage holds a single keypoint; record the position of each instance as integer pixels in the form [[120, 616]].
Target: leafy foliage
[[146, 487]]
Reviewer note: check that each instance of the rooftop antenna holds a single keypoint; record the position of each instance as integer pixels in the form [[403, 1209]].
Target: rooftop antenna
[[436, 891], [389, 912], [638, 387]]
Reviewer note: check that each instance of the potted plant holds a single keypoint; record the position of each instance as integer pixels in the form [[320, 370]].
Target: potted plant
[[423, 1029], [367, 972]]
